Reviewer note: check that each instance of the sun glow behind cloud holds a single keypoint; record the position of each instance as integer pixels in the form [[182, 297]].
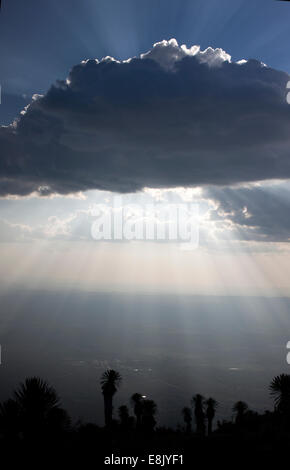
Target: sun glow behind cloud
[[63, 255]]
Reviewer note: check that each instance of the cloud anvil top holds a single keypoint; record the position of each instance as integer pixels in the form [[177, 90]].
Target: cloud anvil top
[[172, 117]]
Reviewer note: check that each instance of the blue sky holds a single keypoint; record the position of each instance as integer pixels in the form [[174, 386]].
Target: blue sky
[[41, 41]]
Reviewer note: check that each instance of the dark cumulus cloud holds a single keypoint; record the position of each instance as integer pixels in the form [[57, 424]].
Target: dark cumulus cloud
[[172, 117]]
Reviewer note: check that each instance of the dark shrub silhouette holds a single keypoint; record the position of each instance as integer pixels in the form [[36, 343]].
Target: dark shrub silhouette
[[110, 382]]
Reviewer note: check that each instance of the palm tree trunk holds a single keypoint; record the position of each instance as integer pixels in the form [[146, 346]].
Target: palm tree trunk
[[200, 426], [108, 407], [209, 427]]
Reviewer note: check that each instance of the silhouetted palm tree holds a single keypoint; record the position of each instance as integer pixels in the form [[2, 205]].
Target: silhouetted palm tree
[[36, 394], [211, 406], [110, 381], [137, 402], [240, 408], [280, 390], [187, 416], [198, 404], [149, 412], [39, 407]]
